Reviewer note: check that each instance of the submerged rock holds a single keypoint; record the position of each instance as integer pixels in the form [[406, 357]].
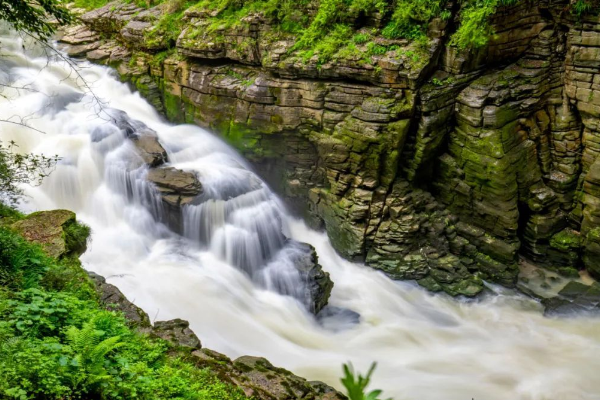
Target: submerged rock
[[575, 297], [57, 231], [337, 318]]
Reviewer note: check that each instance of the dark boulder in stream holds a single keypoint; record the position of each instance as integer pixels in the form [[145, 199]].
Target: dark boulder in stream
[[574, 298]]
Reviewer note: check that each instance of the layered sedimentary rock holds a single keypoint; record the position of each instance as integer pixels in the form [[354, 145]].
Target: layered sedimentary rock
[[445, 167]]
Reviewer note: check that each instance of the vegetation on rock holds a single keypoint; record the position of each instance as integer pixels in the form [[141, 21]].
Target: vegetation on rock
[[57, 342]]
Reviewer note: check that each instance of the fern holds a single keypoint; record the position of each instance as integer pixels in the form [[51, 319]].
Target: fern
[[90, 351], [356, 384]]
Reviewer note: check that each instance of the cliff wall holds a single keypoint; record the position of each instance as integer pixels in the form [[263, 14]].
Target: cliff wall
[[425, 161]]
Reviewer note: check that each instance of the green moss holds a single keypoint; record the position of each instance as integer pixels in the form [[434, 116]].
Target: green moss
[[173, 107], [90, 4], [566, 240]]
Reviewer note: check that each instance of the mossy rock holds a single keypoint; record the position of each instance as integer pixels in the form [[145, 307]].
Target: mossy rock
[[57, 231], [566, 240]]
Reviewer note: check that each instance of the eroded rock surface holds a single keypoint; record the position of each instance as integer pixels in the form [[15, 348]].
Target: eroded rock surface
[[51, 229], [446, 170]]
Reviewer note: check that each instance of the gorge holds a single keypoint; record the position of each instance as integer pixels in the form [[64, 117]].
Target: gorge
[[454, 169]]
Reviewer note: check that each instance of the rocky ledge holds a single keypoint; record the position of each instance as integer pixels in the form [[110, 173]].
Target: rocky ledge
[[256, 376], [447, 169]]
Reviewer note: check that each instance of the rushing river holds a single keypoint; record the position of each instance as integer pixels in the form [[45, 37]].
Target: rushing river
[[428, 347]]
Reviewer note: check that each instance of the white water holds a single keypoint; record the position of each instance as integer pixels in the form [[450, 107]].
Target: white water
[[428, 347]]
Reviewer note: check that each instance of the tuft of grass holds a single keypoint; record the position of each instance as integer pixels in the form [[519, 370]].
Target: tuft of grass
[[77, 235]]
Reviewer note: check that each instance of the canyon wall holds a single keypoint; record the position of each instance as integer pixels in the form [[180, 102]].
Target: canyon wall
[[428, 162]]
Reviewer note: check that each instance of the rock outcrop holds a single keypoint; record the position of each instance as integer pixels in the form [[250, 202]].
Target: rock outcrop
[[444, 167], [57, 231], [113, 300], [576, 298], [256, 376]]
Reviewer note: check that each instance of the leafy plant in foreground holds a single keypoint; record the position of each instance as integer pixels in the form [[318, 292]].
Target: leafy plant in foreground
[[356, 384]]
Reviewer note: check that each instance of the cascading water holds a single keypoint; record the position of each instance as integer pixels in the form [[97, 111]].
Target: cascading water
[[428, 347]]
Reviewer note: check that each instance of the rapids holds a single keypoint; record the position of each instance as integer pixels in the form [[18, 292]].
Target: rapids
[[428, 347]]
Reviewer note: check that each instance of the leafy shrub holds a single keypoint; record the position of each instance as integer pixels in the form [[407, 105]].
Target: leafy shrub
[[63, 345], [21, 264], [77, 235]]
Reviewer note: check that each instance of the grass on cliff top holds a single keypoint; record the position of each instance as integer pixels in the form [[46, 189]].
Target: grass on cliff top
[[330, 29], [56, 342]]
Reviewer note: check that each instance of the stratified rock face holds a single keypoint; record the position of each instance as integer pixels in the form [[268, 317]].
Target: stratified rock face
[[444, 171], [51, 229]]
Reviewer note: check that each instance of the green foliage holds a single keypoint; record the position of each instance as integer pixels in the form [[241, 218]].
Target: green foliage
[[34, 312], [9, 215], [582, 7], [361, 38], [32, 15], [410, 17], [63, 345], [21, 264], [356, 384], [169, 25], [77, 236], [17, 169], [90, 4]]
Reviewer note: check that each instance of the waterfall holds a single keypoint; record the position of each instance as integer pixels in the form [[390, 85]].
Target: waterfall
[[231, 270]]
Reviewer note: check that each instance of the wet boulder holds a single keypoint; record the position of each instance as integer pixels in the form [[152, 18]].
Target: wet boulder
[[317, 282], [574, 298], [57, 231], [144, 139], [150, 149], [177, 188]]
